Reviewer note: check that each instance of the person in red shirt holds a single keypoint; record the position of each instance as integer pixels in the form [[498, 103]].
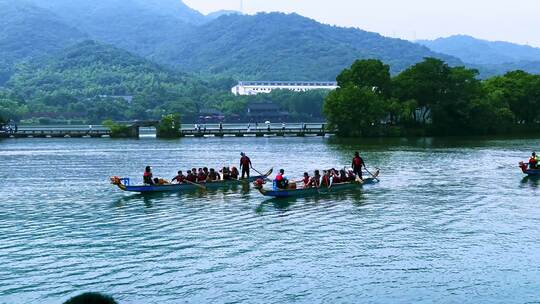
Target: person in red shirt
[[245, 165], [306, 180], [533, 161], [179, 178], [357, 164], [191, 177], [147, 176]]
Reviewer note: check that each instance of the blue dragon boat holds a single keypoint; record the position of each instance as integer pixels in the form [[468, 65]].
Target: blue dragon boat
[[278, 193], [124, 184]]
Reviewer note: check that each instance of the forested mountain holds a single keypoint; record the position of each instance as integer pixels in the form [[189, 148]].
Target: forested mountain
[[139, 26], [82, 82], [89, 69], [285, 46], [477, 51], [27, 31]]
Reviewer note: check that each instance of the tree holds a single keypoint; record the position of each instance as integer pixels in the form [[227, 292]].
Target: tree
[[371, 73], [522, 91], [353, 111], [169, 126]]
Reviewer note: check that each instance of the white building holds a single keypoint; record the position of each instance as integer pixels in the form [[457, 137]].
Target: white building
[[258, 87]]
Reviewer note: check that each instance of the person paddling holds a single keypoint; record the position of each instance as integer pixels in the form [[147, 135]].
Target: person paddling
[[191, 177], [533, 161], [281, 181], [147, 177], [326, 179], [245, 165], [213, 176], [179, 178], [234, 173], [357, 164]]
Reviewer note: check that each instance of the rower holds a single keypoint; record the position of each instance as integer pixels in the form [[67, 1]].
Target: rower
[[225, 173], [533, 161], [201, 177], [213, 176], [357, 164], [281, 181], [306, 180], [147, 177], [245, 165], [326, 179], [316, 179], [179, 178], [335, 176], [191, 177], [234, 173]]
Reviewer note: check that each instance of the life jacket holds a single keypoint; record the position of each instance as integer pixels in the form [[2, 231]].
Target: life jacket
[[315, 181], [147, 178], [180, 178], [201, 177], [307, 181], [192, 178], [358, 162], [337, 179], [325, 181], [245, 161]]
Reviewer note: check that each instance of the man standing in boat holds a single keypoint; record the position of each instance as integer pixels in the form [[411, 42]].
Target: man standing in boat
[[357, 164], [245, 165]]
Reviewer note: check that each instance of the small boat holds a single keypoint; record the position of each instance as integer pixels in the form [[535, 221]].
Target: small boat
[[525, 169], [317, 191], [124, 185]]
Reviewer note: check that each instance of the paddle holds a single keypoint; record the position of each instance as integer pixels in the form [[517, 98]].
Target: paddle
[[264, 175], [195, 184], [374, 177]]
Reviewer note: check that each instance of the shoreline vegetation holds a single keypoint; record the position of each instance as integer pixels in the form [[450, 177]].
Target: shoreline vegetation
[[431, 98]]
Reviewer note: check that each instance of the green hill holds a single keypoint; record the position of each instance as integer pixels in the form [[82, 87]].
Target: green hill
[[86, 81], [478, 51], [139, 26], [89, 69], [27, 32], [285, 46]]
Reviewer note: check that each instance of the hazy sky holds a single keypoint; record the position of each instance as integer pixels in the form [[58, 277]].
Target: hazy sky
[[515, 21]]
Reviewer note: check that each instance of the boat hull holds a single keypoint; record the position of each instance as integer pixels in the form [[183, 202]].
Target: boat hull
[[316, 191], [188, 187], [530, 172]]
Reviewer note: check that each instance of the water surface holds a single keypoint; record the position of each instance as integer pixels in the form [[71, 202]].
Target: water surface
[[453, 220]]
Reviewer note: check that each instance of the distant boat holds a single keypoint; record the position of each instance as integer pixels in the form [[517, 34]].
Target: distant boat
[[525, 169]]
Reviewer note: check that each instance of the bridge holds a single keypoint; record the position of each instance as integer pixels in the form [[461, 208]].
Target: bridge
[[232, 130]]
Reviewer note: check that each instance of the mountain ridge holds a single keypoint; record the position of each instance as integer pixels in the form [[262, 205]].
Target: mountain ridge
[[479, 51]]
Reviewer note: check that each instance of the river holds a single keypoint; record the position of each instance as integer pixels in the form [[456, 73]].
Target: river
[[452, 221]]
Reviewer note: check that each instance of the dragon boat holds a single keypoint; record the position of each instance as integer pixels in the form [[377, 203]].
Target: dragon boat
[[124, 184], [335, 188]]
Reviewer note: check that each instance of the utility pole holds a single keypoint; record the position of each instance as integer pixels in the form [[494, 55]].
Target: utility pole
[[242, 7]]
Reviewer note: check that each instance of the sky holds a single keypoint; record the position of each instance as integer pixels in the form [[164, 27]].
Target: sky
[[514, 21]]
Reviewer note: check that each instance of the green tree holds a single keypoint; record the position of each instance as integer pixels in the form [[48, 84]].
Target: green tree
[[169, 126], [370, 73], [353, 111]]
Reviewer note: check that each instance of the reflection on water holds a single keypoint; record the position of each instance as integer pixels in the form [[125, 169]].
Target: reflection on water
[[453, 206], [532, 181]]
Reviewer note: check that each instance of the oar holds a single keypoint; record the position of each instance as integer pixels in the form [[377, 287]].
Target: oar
[[374, 177], [263, 175], [195, 184]]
